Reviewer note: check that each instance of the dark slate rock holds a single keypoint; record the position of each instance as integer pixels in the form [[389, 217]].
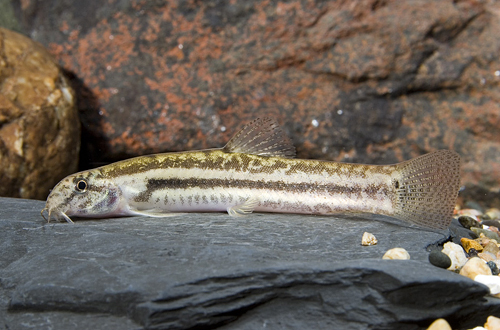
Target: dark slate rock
[[456, 232], [209, 271]]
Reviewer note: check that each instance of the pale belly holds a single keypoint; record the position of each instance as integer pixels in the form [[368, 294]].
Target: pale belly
[[316, 201]]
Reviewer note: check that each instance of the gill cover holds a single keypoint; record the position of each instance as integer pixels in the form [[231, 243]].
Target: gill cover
[[84, 194]]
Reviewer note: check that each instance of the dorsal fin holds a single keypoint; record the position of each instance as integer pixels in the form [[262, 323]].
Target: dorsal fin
[[262, 137]]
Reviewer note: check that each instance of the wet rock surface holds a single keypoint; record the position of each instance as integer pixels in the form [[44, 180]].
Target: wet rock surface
[[367, 81], [39, 124], [212, 271]]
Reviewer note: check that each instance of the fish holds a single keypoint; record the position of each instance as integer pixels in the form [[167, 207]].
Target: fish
[[256, 171]]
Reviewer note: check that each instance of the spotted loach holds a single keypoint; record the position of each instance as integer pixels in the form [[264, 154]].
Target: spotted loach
[[256, 171]]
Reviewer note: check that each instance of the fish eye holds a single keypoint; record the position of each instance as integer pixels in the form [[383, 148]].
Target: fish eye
[[81, 185]]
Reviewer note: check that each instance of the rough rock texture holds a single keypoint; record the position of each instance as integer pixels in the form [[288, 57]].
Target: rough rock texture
[[39, 125], [211, 271], [8, 18], [361, 81]]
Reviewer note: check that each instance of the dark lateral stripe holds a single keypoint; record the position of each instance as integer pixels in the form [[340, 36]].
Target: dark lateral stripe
[[299, 187]]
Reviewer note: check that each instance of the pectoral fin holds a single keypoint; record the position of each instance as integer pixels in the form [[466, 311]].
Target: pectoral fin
[[243, 209]]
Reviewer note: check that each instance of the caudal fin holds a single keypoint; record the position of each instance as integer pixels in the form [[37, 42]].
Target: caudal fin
[[427, 189]]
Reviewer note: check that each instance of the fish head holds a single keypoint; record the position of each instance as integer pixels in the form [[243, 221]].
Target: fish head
[[83, 194]]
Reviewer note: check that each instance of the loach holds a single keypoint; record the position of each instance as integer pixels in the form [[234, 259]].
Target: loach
[[256, 171]]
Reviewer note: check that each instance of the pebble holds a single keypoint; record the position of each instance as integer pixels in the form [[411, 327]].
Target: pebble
[[456, 254], [493, 213], [475, 266], [468, 222], [470, 212], [397, 254], [472, 253], [486, 256], [486, 233], [491, 281], [494, 268], [368, 239], [491, 247], [492, 323], [494, 223], [439, 259], [470, 244], [494, 229], [483, 240], [439, 324]]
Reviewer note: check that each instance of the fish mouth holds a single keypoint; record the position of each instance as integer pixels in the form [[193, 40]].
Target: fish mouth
[[55, 214]]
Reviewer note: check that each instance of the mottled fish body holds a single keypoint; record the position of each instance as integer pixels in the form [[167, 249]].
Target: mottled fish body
[[255, 172]]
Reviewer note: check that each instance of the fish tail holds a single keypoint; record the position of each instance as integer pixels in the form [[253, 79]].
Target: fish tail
[[427, 189]]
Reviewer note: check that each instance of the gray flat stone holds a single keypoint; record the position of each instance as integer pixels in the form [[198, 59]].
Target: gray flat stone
[[213, 271]]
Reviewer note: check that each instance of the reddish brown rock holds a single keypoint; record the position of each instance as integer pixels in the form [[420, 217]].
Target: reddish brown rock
[[39, 125], [361, 81]]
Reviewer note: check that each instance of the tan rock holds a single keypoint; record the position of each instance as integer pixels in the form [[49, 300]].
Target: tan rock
[[492, 323], [368, 239], [470, 244], [439, 324], [397, 254], [39, 124], [475, 266]]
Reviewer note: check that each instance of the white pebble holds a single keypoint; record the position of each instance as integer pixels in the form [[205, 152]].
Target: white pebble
[[492, 323], [439, 324], [397, 254], [368, 239], [491, 281], [456, 254]]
